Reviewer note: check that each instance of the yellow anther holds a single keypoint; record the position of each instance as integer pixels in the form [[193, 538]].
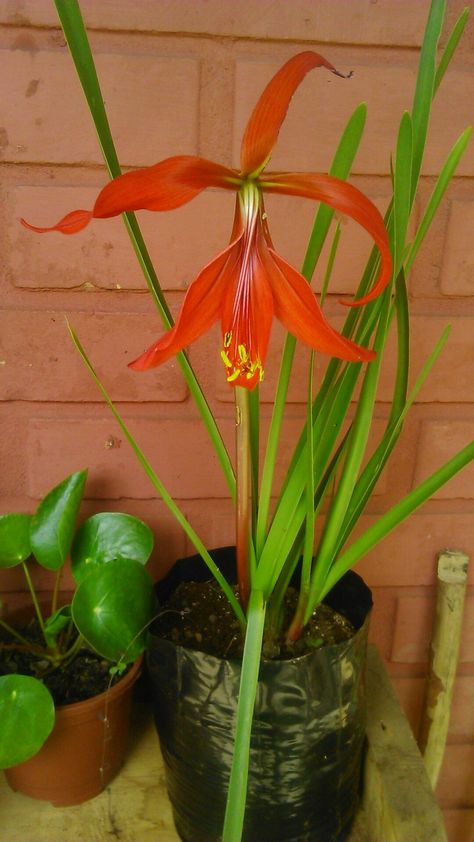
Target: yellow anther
[[226, 360], [243, 353], [227, 339], [235, 374]]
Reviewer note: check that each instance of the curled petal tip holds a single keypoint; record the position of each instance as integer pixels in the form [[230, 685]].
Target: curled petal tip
[[69, 224]]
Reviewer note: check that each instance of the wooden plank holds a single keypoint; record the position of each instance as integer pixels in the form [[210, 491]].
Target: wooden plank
[[398, 803], [135, 808], [398, 800]]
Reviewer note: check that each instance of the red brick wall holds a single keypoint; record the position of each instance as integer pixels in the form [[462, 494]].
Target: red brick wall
[[182, 77]]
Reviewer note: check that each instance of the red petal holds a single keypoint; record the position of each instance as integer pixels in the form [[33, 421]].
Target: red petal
[[297, 308], [69, 224], [247, 314], [201, 307], [164, 186], [346, 199], [264, 125]]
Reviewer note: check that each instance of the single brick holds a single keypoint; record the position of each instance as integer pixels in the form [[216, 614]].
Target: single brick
[[439, 441], [410, 692], [330, 20], [408, 555], [457, 275], [382, 619], [457, 355], [47, 366], [179, 451], [152, 104], [456, 784], [214, 522], [102, 255], [459, 825], [413, 627]]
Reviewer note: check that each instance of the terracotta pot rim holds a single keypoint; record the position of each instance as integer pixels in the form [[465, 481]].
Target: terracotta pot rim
[[107, 695]]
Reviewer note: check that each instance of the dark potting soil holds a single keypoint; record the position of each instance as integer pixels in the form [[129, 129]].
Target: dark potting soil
[[85, 676], [198, 616]]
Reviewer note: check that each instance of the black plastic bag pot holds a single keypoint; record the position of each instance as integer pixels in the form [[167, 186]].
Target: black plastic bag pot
[[308, 728]]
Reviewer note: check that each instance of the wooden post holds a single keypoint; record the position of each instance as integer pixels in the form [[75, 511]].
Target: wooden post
[[399, 803], [444, 655]]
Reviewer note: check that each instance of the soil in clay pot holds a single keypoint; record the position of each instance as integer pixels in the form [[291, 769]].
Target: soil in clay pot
[[198, 616], [85, 676]]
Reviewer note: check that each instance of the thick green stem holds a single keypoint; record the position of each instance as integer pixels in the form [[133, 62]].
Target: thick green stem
[[244, 483], [236, 798]]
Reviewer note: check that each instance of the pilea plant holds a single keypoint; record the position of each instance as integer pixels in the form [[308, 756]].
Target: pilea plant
[[109, 611]]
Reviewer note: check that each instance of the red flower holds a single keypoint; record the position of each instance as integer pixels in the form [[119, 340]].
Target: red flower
[[248, 283]]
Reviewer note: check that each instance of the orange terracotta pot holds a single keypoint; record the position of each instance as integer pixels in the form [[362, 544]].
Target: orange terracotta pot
[[85, 749]]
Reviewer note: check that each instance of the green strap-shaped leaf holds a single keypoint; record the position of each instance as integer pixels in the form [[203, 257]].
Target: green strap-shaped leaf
[[397, 514], [53, 525], [26, 718], [75, 32], [15, 544], [106, 537]]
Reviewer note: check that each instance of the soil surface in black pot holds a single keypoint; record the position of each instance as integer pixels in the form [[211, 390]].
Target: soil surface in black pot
[[198, 616], [85, 676]]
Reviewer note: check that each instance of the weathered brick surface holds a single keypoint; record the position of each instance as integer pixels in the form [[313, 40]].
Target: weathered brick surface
[[459, 825], [178, 450], [413, 629], [330, 20], [457, 276], [439, 440], [456, 356], [37, 132], [32, 369], [102, 256], [456, 784]]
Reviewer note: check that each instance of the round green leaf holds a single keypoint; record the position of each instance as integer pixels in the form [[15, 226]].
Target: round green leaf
[[15, 544], [26, 716], [108, 536], [53, 525], [112, 608]]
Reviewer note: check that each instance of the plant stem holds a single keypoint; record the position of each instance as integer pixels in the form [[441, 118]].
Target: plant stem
[[34, 598], [244, 482], [236, 798], [69, 656], [57, 582], [16, 634]]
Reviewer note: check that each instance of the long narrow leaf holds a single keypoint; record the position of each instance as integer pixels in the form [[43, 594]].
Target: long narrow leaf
[[442, 183], [368, 479], [451, 46], [354, 455], [236, 798], [75, 32], [161, 489], [341, 167], [397, 514], [424, 90]]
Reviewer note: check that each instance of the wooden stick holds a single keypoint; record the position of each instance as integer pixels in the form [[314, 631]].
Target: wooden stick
[[444, 656]]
